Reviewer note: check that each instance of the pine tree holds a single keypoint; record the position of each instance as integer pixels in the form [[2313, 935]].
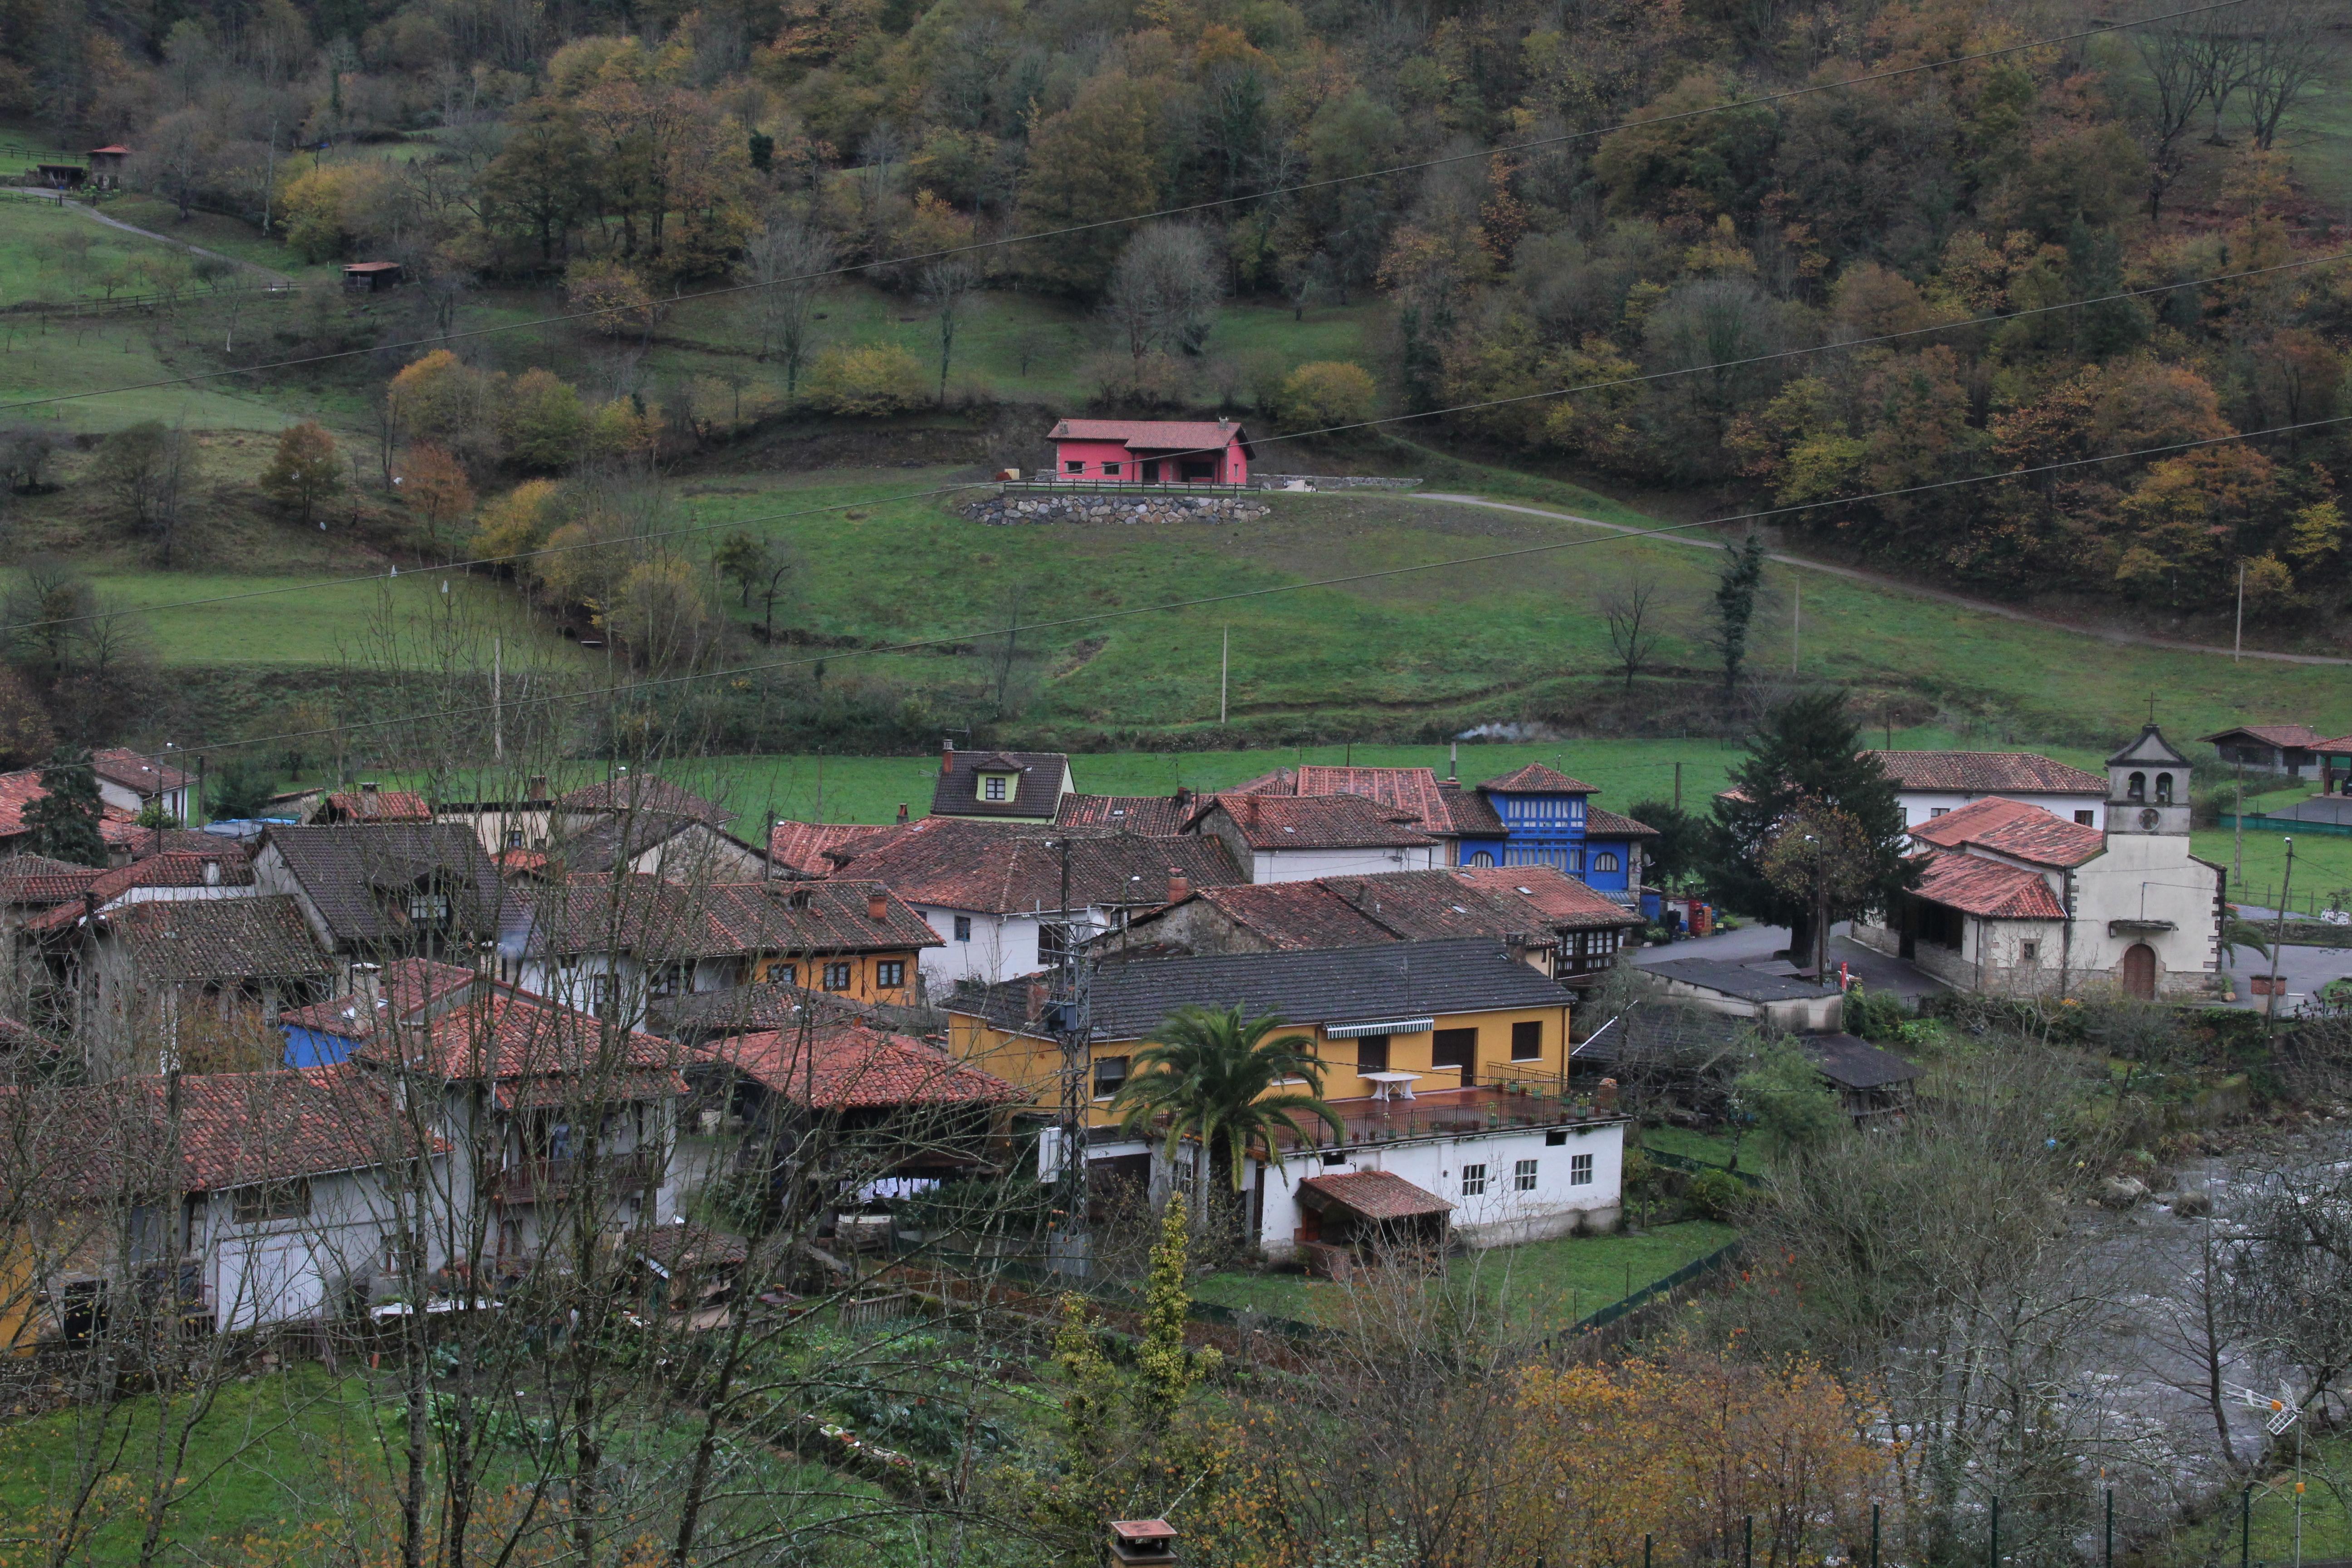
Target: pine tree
[[64, 821], [1806, 756]]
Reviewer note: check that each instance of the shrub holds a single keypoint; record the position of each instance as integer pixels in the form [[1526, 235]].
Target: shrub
[[867, 383], [542, 420], [1716, 1195], [1873, 1016], [1328, 392]]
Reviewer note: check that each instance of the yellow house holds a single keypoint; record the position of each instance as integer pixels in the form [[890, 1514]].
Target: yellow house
[[1395, 1025]]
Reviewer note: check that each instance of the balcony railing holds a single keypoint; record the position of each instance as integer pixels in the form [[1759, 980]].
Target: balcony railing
[[606, 1175]]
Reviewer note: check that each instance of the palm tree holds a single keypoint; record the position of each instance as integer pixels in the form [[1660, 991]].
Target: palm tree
[[1218, 1076]]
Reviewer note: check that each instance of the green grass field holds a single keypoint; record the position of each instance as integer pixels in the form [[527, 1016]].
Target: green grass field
[[1543, 1285], [319, 624]]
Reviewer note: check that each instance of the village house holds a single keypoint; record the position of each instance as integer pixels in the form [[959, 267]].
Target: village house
[[371, 804], [398, 889], [1558, 925], [1929, 783], [2014, 902], [1534, 816], [1447, 1061], [993, 895], [1151, 452], [1784, 1002], [132, 782], [820, 848], [1293, 838], [2286, 749], [615, 946], [1001, 786], [234, 1199], [118, 825]]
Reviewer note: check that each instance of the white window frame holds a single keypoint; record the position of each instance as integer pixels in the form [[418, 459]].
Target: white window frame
[[1473, 1180], [1579, 1170], [1523, 1177]]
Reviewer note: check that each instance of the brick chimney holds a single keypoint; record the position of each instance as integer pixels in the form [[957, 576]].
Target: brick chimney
[[1604, 1097], [368, 786], [1179, 886], [902, 814], [877, 906], [538, 788], [1036, 1000], [947, 756]]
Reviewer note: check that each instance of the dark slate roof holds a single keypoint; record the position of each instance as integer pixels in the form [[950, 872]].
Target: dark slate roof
[[2152, 748], [1154, 815], [1327, 986], [351, 874], [1850, 1063], [1037, 786], [211, 939], [1986, 772], [1662, 1031], [1736, 980]]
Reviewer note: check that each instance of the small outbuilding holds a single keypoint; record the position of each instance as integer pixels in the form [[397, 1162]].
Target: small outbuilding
[[1151, 452], [1873, 1085], [62, 176], [1784, 1002], [1348, 1215], [371, 277], [106, 165], [2268, 748]]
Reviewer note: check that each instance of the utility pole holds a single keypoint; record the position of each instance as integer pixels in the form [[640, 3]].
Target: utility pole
[[2238, 646], [1678, 787], [1796, 630], [497, 699], [1225, 671], [2278, 935], [2238, 837], [1070, 1017]]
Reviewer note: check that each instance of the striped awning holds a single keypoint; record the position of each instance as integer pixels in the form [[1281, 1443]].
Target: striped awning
[[1393, 1027]]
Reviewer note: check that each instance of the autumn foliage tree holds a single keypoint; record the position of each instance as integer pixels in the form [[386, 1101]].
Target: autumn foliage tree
[[303, 471], [435, 487]]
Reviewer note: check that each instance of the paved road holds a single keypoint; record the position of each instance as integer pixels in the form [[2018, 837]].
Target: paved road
[[1755, 945], [1698, 540]]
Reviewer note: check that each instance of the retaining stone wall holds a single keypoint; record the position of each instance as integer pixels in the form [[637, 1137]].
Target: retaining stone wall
[[1083, 506]]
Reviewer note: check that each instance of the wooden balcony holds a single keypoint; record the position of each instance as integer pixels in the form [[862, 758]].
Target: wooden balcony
[[543, 1180]]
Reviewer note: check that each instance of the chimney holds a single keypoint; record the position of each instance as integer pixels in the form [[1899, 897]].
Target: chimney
[[947, 756], [1134, 1541], [1453, 758], [1179, 886], [1604, 1097], [902, 814], [367, 984], [1036, 1000], [538, 789], [212, 873], [368, 786], [877, 906]]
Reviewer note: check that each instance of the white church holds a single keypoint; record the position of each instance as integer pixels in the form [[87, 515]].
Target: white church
[[2016, 900]]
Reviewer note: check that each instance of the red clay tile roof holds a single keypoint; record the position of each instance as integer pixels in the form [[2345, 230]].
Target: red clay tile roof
[[1600, 824], [1413, 791], [506, 1034], [1282, 781], [117, 764], [1295, 915], [173, 869], [850, 1066], [644, 796], [38, 879], [1318, 822], [1374, 1196], [1567, 903], [178, 940], [1975, 886], [1153, 435], [1470, 813], [19, 790], [1536, 778], [1986, 772], [2293, 737], [655, 919], [378, 805], [2014, 828], [999, 869], [407, 987], [1153, 815], [806, 846]]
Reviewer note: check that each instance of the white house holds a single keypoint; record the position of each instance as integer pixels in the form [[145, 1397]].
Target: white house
[[993, 893], [2014, 902], [1930, 784], [132, 782], [1295, 838], [1776, 1001]]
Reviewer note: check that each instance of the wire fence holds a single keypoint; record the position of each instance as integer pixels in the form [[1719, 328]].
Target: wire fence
[[164, 298]]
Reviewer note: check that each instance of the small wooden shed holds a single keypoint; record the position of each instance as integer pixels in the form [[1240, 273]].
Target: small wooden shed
[[371, 276]]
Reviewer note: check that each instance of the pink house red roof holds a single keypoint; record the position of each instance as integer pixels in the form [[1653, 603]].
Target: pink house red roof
[[1156, 435]]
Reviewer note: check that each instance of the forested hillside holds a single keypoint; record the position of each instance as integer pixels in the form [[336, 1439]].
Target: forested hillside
[[1452, 164]]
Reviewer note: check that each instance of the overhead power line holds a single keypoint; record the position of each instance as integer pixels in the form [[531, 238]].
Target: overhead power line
[[639, 687], [1191, 209], [1844, 345]]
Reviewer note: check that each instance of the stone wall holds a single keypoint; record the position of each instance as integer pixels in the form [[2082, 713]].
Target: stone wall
[[1330, 482], [1105, 506]]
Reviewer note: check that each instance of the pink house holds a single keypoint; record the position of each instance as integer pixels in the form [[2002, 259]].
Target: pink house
[[1151, 452]]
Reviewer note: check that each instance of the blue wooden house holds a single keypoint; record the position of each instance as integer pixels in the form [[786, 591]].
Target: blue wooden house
[[1538, 815]]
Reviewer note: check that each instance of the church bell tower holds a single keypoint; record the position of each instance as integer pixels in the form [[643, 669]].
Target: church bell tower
[[2148, 787]]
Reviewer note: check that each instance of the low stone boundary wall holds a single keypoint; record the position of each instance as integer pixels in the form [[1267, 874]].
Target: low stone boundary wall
[[1097, 506]]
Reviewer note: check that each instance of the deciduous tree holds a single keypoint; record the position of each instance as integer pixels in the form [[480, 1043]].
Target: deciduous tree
[[303, 471]]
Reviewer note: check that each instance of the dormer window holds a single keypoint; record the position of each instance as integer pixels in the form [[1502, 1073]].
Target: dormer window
[[2164, 789], [429, 906], [2138, 787], [996, 786]]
